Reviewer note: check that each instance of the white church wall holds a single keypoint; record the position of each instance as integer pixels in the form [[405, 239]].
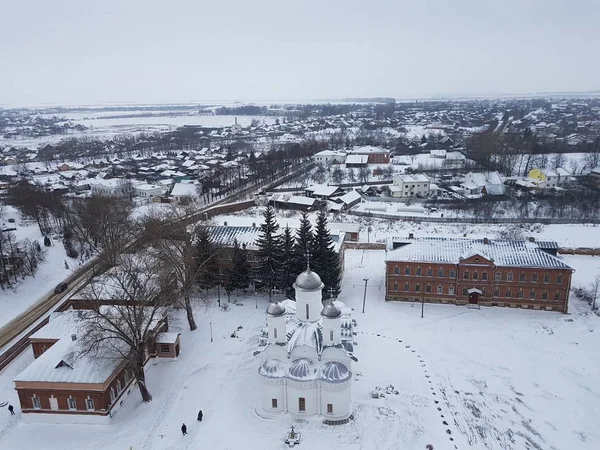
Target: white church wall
[[273, 389], [330, 325], [313, 300], [276, 323], [302, 389], [338, 395]]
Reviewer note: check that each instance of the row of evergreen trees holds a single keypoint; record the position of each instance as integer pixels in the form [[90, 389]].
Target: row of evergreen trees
[[283, 256]]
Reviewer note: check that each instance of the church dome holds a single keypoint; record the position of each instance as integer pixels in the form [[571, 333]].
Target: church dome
[[303, 369], [331, 311], [273, 368], [275, 309], [308, 281], [335, 372]]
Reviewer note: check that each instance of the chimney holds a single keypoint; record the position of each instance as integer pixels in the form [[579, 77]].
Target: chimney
[[411, 235], [73, 337], [486, 241], [253, 224], [224, 224], [531, 239]]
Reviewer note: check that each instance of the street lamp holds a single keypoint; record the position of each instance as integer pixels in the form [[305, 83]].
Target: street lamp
[[366, 280], [211, 338]]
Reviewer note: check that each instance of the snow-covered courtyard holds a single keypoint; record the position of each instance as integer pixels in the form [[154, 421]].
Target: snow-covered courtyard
[[493, 378]]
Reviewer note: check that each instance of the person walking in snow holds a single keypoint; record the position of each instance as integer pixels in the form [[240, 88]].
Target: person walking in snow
[[184, 429], [11, 410], [200, 416]]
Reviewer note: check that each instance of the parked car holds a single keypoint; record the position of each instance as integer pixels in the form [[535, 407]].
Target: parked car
[[62, 287]]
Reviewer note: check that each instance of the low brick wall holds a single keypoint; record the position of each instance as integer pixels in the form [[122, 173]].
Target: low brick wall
[[363, 246], [579, 251]]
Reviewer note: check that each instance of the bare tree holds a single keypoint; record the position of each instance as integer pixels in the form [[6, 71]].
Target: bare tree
[[102, 224], [140, 295], [594, 291], [33, 254], [558, 160], [174, 242]]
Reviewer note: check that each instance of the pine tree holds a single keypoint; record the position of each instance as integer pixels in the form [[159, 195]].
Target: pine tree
[[325, 261], [286, 268], [269, 252], [239, 272], [302, 245], [208, 272]]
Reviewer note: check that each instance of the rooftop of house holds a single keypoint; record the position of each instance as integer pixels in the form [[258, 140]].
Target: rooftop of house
[[184, 190]]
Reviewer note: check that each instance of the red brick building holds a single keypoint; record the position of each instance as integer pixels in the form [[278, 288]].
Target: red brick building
[[478, 271], [376, 155]]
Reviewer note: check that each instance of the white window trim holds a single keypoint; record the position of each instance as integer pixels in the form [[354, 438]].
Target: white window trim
[[69, 400], [87, 404]]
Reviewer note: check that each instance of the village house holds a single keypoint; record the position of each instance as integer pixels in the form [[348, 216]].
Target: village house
[[58, 387], [525, 274], [547, 178], [117, 187], [185, 192], [327, 157], [484, 183], [417, 185], [323, 191], [149, 190], [356, 161]]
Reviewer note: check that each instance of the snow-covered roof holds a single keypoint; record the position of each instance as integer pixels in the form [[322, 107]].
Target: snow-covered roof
[[184, 190], [349, 197], [451, 250], [303, 369], [309, 334], [335, 372], [322, 190], [225, 235], [416, 178], [301, 200], [357, 159], [368, 150], [166, 337], [60, 324], [57, 365], [348, 227]]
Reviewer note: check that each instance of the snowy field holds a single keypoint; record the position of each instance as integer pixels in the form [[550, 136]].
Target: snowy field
[[16, 299], [105, 127], [494, 378]]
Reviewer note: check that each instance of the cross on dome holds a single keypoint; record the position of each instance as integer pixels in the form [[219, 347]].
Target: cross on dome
[[307, 256]]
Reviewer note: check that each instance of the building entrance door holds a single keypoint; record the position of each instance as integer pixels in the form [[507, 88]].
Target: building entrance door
[[474, 294]]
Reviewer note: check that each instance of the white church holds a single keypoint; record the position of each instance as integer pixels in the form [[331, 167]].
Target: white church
[[307, 351]]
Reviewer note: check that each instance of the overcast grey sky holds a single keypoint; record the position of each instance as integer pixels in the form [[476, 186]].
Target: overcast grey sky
[[147, 51]]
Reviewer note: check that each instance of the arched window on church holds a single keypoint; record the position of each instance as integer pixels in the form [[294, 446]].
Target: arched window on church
[[307, 312], [275, 333]]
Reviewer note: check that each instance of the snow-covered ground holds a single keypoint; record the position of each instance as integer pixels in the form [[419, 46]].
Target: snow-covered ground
[[103, 126], [494, 378], [569, 236], [17, 298]]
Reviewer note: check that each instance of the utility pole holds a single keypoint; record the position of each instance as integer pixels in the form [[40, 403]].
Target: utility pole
[[219, 293], [422, 302], [366, 280], [211, 338]]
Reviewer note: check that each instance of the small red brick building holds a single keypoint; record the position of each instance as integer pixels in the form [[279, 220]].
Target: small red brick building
[[478, 271], [59, 388]]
